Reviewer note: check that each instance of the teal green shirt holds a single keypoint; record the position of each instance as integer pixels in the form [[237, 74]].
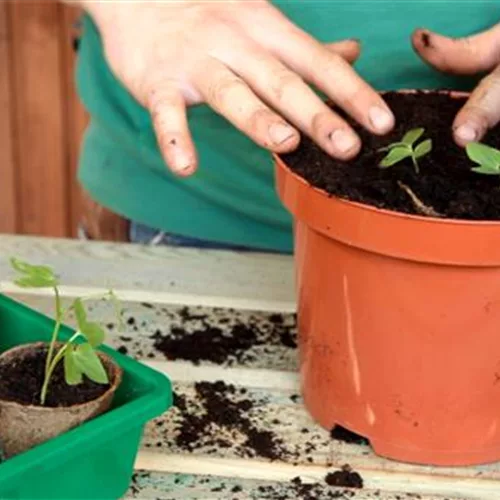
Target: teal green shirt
[[232, 196]]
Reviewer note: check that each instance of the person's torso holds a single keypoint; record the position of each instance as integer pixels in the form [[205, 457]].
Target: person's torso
[[235, 175]]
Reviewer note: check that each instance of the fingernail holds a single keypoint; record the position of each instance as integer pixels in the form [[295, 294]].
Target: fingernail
[[466, 133], [280, 133], [380, 118], [343, 140], [181, 161]]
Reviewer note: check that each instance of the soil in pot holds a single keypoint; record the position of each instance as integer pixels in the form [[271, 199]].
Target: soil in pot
[[21, 381], [25, 423], [445, 183]]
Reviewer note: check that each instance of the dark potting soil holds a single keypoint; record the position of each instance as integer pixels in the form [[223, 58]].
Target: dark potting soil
[[218, 345], [208, 343], [344, 477], [445, 183], [22, 382], [221, 410], [304, 491]]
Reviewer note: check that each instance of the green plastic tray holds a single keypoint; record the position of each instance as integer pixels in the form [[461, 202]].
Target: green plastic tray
[[96, 459]]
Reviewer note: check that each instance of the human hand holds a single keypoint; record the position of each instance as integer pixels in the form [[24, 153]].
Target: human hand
[[468, 56], [245, 60]]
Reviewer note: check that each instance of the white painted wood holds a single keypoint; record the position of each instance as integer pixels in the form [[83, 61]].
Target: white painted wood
[[303, 441], [163, 486], [470, 488], [240, 377], [158, 274], [271, 357]]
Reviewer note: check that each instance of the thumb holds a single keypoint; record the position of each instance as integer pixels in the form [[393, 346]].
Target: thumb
[[347, 49], [461, 56]]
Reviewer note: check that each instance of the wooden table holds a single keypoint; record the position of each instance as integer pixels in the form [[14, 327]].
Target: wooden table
[[225, 289]]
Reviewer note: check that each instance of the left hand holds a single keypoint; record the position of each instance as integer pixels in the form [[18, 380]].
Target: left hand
[[468, 56]]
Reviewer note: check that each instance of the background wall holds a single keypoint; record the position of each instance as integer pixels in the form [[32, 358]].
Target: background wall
[[41, 119]]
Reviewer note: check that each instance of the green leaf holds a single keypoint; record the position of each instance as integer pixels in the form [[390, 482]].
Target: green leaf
[[34, 276], [93, 333], [394, 156], [33, 282], [81, 315], [87, 360], [486, 170], [390, 146], [25, 268], [412, 135], [72, 373], [484, 155], [425, 147]]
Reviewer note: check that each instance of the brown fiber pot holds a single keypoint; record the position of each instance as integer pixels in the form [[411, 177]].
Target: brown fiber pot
[[24, 426], [399, 326]]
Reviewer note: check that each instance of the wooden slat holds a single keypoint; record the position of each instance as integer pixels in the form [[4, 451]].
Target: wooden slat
[[8, 212], [163, 486], [304, 443], [76, 116], [409, 486], [259, 282], [260, 364], [40, 135]]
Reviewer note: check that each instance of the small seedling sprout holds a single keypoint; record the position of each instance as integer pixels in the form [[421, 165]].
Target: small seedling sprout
[[79, 358], [486, 157], [399, 151]]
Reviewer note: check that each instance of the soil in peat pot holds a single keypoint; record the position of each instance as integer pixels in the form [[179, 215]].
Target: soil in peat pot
[[445, 183], [21, 381]]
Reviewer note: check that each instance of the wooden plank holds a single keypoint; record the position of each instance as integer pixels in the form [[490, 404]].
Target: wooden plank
[[303, 445], [8, 212], [260, 359], [40, 144], [76, 116], [160, 486], [258, 282], [376, 481]]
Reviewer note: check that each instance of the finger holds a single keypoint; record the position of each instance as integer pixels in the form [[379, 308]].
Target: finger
[[463, 56], [330, 73], [289, 95], [481, 112], [347, 49], [230, 96], [168, 114]]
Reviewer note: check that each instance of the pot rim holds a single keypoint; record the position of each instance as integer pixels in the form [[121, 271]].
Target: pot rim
[[117, 372], [393, 213], [385, 211], [431, 240]]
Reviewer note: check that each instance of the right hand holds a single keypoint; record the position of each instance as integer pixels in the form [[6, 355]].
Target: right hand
[[245, 60]]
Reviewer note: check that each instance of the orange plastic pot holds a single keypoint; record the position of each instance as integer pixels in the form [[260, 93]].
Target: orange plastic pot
[[399, 326]]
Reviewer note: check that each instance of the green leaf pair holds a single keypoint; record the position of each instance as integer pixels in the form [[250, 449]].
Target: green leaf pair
[[82, 360], [399, 151], [33, 276], [486, 157], [91, 331]]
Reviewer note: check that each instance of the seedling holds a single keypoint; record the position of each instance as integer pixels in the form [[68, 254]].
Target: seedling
[[79, 358], [406, 148], [486, 157]]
